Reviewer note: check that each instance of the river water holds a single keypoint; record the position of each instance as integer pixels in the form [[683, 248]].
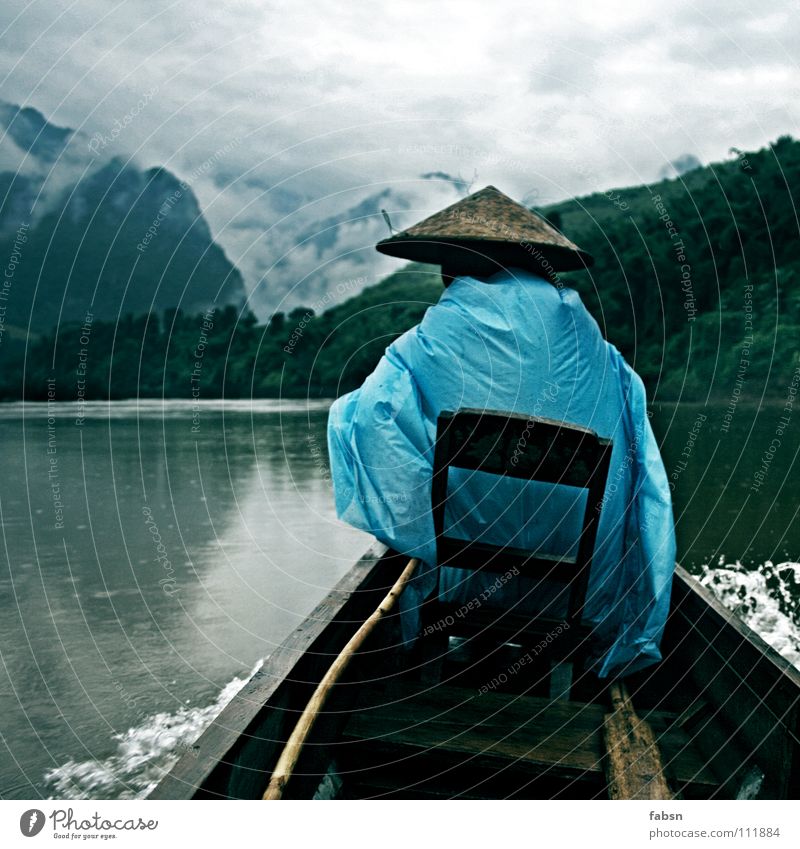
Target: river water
[[152, 558]]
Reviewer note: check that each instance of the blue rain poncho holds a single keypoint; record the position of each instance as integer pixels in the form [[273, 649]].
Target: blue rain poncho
[[514, 343]]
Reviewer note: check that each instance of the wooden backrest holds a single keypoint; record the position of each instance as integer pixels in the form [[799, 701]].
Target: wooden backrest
[[525, 447]]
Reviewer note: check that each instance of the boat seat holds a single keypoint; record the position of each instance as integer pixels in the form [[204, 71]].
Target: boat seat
[[528, 448], [417, 736]]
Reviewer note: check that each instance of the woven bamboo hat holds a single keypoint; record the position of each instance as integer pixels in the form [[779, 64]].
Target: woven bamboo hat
[[484, 233]]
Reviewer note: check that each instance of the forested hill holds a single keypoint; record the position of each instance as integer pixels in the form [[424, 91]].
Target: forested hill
[[696, 280], [675, 261]]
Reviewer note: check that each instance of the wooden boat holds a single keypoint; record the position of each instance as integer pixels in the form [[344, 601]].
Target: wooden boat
[[723, 706]]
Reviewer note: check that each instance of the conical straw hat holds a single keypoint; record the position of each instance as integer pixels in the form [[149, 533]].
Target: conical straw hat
[[487, 227]]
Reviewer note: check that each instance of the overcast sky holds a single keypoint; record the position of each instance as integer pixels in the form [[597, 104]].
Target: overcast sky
[[307, 110]]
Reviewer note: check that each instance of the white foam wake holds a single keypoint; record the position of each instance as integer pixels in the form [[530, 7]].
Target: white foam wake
[[143, 754], [766, 598]]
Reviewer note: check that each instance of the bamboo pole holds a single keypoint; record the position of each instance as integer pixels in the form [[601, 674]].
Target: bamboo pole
[[294, 745]]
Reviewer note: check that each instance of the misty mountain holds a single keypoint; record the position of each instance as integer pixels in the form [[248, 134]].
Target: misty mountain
[[95, 235], [291, 243], [696, 280], [329, 250], [32, 132]]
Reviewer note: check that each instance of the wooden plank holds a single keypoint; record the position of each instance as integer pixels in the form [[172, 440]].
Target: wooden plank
[[507, 625], [684, 763], [492, 728], [474, 555], [633, 760], [214, 747], [497, 731], [434, 777]]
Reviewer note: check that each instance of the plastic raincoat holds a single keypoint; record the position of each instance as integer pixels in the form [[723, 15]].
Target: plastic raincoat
[[514, 343]]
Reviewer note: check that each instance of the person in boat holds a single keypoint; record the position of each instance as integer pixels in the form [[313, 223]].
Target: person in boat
[[508, 335]]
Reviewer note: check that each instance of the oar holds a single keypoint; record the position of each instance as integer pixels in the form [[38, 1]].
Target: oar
[[294, 745], [634, 769]]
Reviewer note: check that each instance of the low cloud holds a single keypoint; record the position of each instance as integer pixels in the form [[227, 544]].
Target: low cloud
[[332, 109]]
